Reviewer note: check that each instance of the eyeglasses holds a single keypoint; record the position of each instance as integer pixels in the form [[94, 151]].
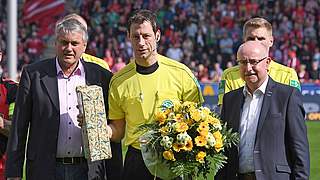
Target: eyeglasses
[[252, 62]]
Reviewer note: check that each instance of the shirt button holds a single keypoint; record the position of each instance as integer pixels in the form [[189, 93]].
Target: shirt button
[[69, 137], [68, 152], [69, 122], [69, 94], [69, 108]]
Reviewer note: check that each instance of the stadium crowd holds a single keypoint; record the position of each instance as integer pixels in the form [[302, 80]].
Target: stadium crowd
[[204, 35]]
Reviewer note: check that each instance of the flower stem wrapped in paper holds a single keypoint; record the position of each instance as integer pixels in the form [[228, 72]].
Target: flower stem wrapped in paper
[[185, 139]]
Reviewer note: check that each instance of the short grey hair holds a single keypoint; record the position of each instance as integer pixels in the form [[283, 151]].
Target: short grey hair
[[70, 26]]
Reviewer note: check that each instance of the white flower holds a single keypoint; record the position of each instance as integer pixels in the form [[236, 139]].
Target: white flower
[[166, 142], [211, 141], [182, 138], [167, 145], [218, 126]]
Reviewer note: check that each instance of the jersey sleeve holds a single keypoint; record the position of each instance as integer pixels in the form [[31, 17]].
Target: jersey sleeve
[[115, 109], [224, 87], [192, 90]]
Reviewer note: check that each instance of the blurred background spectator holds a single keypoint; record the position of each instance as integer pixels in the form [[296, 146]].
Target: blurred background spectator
[[203, 34]]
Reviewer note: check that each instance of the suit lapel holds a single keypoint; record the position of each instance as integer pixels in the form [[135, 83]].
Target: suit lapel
[[265, 106], [92, 76], [237, 110], [50, 82]]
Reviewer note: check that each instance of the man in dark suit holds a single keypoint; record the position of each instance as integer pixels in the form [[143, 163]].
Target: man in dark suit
[[270, 119], [46, 104]]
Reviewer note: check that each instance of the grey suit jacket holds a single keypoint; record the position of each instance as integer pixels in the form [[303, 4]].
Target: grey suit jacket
[[37, 107], [281, 149]]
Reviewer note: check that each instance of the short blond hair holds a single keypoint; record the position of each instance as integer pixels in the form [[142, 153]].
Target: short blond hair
[[256, 23]]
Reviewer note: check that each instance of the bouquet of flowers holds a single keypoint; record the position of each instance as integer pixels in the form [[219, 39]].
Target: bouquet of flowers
[[185, 139]]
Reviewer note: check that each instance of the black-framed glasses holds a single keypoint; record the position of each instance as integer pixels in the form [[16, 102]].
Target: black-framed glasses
[[252, 62]]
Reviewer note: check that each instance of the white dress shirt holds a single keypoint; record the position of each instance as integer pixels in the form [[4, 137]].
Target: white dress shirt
[[248, 126], [69, 139]]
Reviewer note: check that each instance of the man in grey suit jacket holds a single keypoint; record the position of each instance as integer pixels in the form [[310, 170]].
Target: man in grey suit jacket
[[46, 104], [270, 119]]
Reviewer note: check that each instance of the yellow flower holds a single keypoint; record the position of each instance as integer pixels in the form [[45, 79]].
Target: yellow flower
[[195, 115], [161, 117], [200, 156], [203, 133], [181, 126], [177, 105], [164, 130], [177, 147], [218, 145], [167, 111], [168, 155], [189, 145], [206, 111], [203, 128], [215, 122], [200, 141], [217, 135], [179, 117], [189, 105]]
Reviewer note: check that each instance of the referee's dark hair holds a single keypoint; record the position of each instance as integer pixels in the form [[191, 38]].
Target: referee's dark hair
[[142, 15]]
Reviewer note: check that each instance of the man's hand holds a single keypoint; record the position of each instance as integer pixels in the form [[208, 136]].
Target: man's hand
[[80, 119], [4, 126], [1, 121], [118, 129]]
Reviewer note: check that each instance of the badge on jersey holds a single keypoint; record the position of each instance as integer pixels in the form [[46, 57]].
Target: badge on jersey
[[166, 104], [295, 84], [222, 85]]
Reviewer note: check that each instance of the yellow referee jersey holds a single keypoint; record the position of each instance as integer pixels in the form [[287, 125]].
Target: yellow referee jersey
[[231, 79], [136, 97], [96, 60]]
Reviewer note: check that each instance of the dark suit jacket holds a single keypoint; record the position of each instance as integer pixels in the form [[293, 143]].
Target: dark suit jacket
[[281, 149], [37, 107]]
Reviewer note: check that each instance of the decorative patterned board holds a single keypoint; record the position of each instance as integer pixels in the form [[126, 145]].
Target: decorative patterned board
[[94, 128]]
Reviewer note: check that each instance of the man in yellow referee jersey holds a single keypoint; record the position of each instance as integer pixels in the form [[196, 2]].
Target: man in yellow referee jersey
[[257, 29], [139, 90]]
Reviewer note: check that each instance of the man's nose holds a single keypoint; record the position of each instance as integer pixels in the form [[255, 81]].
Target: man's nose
[[248, 66], [141, 40], [68, 46]]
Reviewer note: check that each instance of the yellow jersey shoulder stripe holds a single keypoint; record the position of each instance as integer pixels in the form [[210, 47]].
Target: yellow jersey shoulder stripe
[[96, 60], [124, 71]]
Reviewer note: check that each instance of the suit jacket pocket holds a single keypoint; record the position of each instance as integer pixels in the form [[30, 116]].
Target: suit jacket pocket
[[283, 169], [275, 115]]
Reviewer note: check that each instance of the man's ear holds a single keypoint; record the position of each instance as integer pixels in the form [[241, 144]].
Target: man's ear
[[85, 47], [271, 41], [158, 35], [268, 61]]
